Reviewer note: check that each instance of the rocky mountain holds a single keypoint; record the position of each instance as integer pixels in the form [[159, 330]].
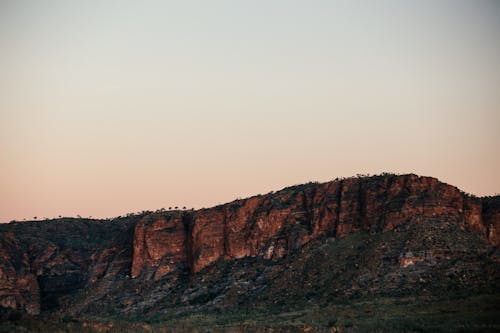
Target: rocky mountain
[[295, 255]]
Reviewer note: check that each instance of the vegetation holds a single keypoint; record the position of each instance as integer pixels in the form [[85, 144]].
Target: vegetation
[[352, 284], [472, 314]]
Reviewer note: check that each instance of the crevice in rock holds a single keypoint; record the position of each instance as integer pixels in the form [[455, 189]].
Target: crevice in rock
[[361, 214], [307, 206], [188, 222], [339, 204], [225, 235]]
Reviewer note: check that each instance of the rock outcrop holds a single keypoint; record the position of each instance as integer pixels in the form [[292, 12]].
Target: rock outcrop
[[160, 245], [18, 285], [277, 224], [44, 264]]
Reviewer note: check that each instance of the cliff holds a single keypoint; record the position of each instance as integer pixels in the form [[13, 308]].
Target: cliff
[[274, 225], [79, 265]]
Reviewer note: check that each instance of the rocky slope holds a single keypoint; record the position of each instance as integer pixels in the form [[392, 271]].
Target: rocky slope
[[385, 235]]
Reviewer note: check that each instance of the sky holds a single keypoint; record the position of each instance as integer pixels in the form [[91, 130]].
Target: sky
[[111, 107]]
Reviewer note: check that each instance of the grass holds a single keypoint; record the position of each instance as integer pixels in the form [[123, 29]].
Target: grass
[[477, 313], [471, 314]]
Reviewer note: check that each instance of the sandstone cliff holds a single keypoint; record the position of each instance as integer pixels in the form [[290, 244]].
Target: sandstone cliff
[[277, 224], [46, 265]]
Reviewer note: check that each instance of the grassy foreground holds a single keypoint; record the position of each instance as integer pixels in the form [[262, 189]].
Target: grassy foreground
[[472, 314]]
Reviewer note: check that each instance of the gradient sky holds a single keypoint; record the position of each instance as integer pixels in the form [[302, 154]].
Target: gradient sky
[[110, 107]]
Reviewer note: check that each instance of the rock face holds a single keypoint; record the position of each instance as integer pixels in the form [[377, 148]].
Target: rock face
[[490, 219], [160, 245], [18, 285], [277, 224], [43, 265]]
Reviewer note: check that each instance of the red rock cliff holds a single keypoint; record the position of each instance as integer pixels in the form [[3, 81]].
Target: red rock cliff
[[44, 263], [276, 224]]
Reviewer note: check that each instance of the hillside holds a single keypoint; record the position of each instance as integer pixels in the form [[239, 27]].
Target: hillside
[[388, 252]]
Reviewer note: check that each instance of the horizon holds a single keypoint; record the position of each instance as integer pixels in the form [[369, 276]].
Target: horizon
[[185, 208], [109, 108]]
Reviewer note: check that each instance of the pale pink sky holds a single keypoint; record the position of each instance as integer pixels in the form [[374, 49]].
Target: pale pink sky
[[115, 107]]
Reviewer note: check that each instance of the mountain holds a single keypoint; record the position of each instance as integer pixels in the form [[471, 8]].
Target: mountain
[[388, 252]]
